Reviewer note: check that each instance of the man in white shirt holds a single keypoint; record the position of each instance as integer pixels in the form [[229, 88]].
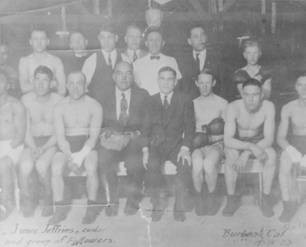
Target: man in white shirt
[[146, 68], [40, 56], [133, 38], [98, 68]]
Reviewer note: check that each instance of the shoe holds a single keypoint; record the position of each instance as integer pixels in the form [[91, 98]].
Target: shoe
[[289, 210], [179, 216], [266, 207], [91, 214], [130, 208], [211, 204], [157, 212], [60, 214], [27, 207], [199, 205], [232, 205], [112, 210], [5, 211], [47, 211]]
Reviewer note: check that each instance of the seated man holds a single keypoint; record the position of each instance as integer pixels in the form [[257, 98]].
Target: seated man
[[40, 56], [292, 139], [12, 132], [208, 143], [170, 128], [249, 132], [78, 120], [124, 113], [40, 140], [252, 53]]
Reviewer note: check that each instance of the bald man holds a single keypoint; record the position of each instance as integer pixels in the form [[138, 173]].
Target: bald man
[[39, 42], [78, 119]]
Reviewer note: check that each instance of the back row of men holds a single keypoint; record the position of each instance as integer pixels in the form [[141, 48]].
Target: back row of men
[[98, 66], [57, 135]]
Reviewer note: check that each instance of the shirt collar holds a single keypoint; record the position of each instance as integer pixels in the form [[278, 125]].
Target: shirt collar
[[126, 92], [113, 53], [194, 53], [169, 97]]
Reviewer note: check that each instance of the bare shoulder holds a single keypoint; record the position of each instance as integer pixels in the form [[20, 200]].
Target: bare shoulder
[[61, 105], [15, 103], [56, 98], [25, 60], [220, 100], [235, 105], [268, 106], [93, 104], [27, 98]]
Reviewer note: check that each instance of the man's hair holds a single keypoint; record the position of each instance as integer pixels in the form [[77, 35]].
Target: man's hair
[[108, 27], [250, 43], [207, 71], [251, 82], [38, 30], [78, 72], [194, 27], [76, 32], [44, 70], [153, 30], [167, 68], [303, 74], [133, 26]]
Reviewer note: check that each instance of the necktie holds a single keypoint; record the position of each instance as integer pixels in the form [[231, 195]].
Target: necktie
[[155, 57], [134, 56], [166, 103], [197, 60], [110, 60], [123, 117]]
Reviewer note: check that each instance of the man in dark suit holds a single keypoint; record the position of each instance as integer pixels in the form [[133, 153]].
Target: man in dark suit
[[199, 57], [98, 68], [122, 138], [170, 127]]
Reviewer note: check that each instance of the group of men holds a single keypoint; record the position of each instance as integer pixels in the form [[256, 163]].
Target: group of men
[[143, 108]]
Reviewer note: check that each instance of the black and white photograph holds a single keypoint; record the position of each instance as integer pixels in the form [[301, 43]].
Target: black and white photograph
[[152, 123]]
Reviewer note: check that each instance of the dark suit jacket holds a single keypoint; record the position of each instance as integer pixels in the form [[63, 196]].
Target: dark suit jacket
[[176, 121], [137, 110], [190, 71]]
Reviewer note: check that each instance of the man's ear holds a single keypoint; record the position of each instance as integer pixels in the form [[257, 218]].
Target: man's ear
[[48, 42], [189, 41], [146, 43], [86, 43], [116, 38], [214, 83], [163, 44]]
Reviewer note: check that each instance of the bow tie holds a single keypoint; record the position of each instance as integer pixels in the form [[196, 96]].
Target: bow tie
[[155, 57]]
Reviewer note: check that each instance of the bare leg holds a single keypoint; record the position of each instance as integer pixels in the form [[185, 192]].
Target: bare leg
[[58, 164], [269, 170], [231, 157], [197, 169], [91, 166], [285, 176]]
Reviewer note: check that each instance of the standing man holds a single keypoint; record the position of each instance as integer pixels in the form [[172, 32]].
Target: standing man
[[291, 138], [40, 141], [98, 68], [249, 133], [124, 114], [11, 73], [40, 56], [132, 38], [12, 133], [170, 127], [209, 111], [146, 68], [196, 60], [78, 120], [75, 57]]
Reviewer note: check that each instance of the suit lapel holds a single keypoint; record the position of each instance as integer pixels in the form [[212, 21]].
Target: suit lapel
[[133, 104], [112, 105], [171, 109]]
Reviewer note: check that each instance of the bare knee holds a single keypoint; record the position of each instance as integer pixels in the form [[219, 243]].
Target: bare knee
[[285, 164], [231, 156], [5, 165], [27, 164], [58, 164], [271, 160]]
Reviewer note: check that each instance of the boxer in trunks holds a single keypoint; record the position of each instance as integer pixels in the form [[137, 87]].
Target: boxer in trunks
[[249, 131], [291, 137], [40, 141], [12, 132], [40, 56], [207, 107], [78, 120], [252, 53]]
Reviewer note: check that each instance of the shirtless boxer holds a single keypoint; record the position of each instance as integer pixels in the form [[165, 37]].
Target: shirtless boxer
[[252, 53], [249, 132], [78, 120], [12, 132], [291, 138], [207, 107], [40, 56], [40, 140]]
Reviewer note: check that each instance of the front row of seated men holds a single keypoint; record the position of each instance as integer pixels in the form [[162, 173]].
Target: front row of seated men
[[58, 135]]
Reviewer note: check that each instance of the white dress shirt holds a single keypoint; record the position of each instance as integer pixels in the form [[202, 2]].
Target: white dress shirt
[[90, 64], [128, 55], [146, 71], [127, 94], [169, 97], [202, 57]]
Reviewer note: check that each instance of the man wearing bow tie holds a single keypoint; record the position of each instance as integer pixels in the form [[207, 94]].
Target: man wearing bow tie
[[132, 39], [98, 68], [124, 113], [146, 68], [170, 128]]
